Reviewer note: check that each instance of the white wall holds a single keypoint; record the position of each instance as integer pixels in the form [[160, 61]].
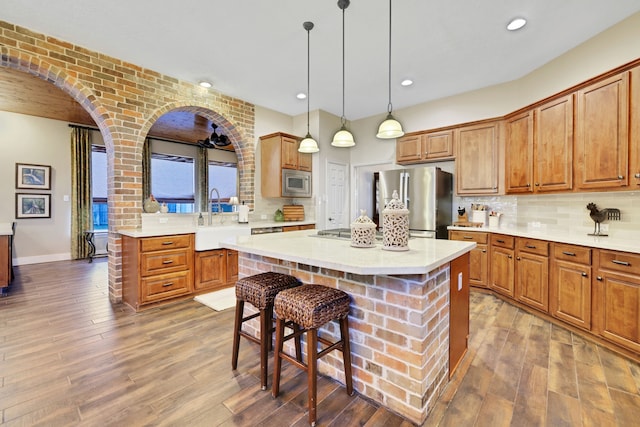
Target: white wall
[[33, 140]]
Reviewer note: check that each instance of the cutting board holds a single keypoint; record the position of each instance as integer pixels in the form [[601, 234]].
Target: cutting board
[[293, 212]]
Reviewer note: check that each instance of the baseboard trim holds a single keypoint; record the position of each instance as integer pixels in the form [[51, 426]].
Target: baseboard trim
[[42, 258]]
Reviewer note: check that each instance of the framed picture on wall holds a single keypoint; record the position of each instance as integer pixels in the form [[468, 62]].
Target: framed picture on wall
[[31, 205], [35, 177]]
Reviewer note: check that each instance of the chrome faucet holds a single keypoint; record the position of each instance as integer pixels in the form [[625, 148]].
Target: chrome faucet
[[211, 204]]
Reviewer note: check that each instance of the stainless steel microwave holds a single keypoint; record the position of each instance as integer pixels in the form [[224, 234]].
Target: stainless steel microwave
[[296, 183]]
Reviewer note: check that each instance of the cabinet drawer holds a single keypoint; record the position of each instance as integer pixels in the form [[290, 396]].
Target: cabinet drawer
[[502, 241], [473, 236], [165, 286], [164, 261], [165, 242], [572, 253], [620, 261], [539, 247]]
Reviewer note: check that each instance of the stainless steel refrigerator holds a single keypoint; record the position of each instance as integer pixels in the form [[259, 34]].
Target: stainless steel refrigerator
[[426, 192]]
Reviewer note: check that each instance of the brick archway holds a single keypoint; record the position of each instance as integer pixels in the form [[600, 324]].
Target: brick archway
[[241, 138]]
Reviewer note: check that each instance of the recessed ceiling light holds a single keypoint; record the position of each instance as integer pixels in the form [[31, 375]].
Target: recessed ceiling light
[[301, 95], [406, 82], [516, 24], [205, 84]]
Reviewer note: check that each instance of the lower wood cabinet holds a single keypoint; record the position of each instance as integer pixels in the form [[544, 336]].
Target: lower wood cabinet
[[502, 264], [478, 256], [156, 268], [616, 293], [215, 269], [298, 227], [532, 273], [570, 285], [5, 261]]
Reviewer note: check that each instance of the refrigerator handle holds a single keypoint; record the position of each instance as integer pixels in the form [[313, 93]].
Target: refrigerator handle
[[405, 195]]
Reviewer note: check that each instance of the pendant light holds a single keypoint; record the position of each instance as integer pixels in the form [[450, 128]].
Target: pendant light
[[390, 128], [308, 144], [343, 138]]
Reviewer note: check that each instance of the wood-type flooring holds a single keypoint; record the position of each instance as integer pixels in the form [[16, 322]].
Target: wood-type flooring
[[69, 357]]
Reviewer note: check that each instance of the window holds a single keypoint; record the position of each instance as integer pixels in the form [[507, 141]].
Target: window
[[173, 182], [224, 177], [99, 187]]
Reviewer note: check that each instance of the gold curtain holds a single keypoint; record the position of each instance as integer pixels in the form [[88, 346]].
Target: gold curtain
[[81, 213], [146, 170], [202, 183]]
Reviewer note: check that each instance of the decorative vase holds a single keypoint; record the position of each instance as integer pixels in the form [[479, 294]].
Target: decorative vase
[[164, 208], [395, 225], [151, 205], [363, 231]]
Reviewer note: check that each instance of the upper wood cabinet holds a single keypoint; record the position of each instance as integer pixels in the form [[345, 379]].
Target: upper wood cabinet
[[280, 151], [539, 148], [634, 128], [477, 158], [422, 147], [602, 138], [519, 153], [553, 145]]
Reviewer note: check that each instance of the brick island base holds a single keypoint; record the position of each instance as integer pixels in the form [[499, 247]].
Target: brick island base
[[399, 332]]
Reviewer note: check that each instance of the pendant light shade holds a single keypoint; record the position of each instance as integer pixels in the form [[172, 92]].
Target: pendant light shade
[[343, 138], [390, 128], [308, 144]]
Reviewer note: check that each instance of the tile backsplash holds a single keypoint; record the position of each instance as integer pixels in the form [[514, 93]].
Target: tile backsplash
[[564, 211]]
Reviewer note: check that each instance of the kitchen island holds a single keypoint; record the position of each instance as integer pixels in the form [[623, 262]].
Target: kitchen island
[[400, 315]]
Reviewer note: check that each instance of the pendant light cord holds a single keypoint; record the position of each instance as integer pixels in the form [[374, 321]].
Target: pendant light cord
[[343, 119], [389, 107], [308, 28]]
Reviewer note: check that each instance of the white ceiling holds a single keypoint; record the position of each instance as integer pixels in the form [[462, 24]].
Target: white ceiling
[[256, 50]]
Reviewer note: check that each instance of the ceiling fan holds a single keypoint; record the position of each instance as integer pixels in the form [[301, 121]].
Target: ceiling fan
[[214, 140]]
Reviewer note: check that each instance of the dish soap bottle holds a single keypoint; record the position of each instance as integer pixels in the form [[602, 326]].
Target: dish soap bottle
[[200, 219]]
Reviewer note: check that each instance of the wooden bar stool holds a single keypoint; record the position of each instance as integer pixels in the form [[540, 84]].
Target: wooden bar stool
[[259, 290], [309, 307]]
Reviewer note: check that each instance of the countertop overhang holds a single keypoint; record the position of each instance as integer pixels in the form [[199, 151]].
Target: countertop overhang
[[306, 247]]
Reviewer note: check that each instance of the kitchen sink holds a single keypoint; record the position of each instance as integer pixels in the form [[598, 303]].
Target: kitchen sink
[[210, 237]]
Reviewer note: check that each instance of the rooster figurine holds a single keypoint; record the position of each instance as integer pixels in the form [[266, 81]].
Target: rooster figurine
[[601, 215]]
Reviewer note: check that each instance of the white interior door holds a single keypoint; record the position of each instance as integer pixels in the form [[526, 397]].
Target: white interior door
[[338, 196]]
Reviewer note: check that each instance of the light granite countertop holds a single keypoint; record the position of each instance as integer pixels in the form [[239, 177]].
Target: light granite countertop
[[6, 229], [574, 237], [170, 229], [306, 247]]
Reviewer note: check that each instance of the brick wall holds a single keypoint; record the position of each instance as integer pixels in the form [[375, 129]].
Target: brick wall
[[125, 100], [399, 332]]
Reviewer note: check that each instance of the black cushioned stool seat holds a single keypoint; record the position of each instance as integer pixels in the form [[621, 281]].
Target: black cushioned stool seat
[[309, 307], [259, 290]]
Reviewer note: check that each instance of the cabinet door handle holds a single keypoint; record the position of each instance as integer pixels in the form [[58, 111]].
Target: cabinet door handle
[[518, 258], [530, 246], [537, 184], [484, 251], [467, 237], [620, 176], [499, 240], [569, 253], [167, 243], [509, 256], [166, 285], [626, 264], [637, 175], [167, 261], [599, 278], [585, 275]]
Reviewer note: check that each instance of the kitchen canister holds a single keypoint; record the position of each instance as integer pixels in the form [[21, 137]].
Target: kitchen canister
[[363, 231], [395, 225]]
